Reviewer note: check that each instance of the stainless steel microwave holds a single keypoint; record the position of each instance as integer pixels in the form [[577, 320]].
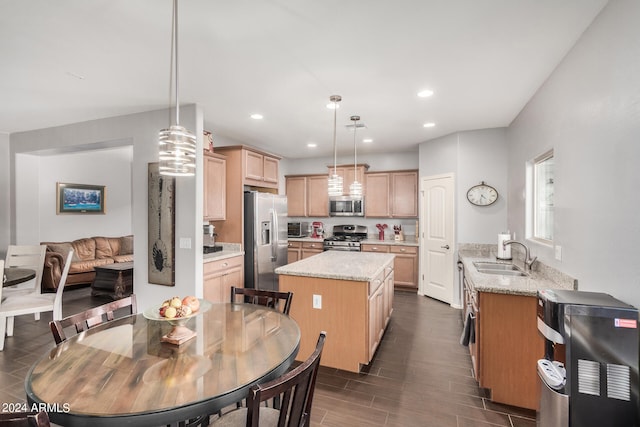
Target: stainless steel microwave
[[346, 206]]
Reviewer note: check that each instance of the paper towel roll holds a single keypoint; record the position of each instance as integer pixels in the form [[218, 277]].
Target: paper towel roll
[[504, 253]]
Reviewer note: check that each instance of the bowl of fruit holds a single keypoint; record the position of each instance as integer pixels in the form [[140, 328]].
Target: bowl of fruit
[[177, 311]]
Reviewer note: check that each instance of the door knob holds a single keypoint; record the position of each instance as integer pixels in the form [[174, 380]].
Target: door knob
[[445, 247]]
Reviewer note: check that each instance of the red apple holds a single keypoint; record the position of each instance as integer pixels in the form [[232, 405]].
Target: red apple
[[192, 302], [162, 310]]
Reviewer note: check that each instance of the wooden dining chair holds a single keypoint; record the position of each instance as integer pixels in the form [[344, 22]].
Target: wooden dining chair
[[16, 305], [91, 317], [26, 256], [277, 300], [295, 391], [24, 419]]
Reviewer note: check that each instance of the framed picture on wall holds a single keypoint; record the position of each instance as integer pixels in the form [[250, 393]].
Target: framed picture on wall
[[80, 199], [161, 231]]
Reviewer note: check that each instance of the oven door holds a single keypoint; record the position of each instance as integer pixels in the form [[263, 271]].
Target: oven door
[[342, 248]]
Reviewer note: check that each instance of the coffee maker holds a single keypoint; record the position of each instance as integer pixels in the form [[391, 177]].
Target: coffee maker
[[589, 374]]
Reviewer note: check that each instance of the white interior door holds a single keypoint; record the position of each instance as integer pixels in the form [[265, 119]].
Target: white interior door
[[437, 238]]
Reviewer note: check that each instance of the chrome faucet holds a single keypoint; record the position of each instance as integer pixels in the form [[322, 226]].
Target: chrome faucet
[[528, 261]]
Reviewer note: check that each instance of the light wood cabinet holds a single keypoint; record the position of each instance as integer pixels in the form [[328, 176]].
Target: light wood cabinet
[[310, 249], [317, 195], [307, 195], [404, 194], [369, 247], [246, 166], [219, 276], [296, 190], [507, 346], [348, 173], [260, 169], [378, 203], [293, 251], [406, 263], [215, 194], [392, 194]]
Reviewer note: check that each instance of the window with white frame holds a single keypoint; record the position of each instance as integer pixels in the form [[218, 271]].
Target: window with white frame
[[542, 194]]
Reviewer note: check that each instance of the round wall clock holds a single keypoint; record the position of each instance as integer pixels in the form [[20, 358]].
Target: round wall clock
[[482, 195]]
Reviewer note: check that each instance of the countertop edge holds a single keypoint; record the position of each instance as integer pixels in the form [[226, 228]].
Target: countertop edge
[[502, 284]]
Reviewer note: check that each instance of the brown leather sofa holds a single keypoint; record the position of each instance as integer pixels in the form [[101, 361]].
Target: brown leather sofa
[[88, 253]]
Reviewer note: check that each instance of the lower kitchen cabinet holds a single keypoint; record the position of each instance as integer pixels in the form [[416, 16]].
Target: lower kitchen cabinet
[[507, 348], [406, 263], [310, 249], [293, 251], [220, 276]]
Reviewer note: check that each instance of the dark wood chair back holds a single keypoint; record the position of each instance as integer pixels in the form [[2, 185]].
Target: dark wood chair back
[[24, 419], [277, 300], [294, 389], [92, 317]]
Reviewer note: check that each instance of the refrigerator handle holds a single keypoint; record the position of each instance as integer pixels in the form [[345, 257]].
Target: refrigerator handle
[[274, 235]]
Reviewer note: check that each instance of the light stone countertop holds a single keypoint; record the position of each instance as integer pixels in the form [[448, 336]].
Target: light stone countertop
[[340, 265], [542, 277], [229, 250]]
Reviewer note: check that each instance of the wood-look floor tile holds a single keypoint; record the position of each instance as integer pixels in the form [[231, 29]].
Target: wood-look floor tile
[[420, 375]]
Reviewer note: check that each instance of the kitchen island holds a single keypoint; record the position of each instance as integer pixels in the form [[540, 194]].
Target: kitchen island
[[347, 294]]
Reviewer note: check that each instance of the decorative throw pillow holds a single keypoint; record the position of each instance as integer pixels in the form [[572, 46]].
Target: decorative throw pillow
[[126, 245], [63, 249]]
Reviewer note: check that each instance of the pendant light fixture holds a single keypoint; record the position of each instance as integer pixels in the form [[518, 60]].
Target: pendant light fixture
[[335, 180], [355, 189], [177, 145]]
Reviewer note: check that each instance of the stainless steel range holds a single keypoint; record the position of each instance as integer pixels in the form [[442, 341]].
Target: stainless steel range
[[345, 238]]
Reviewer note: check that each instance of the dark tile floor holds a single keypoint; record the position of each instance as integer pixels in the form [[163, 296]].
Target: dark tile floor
[[420, 375]]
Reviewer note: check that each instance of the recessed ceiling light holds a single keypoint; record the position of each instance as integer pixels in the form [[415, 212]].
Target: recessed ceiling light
[[257, 116], [429, 125], [425, 93], [312, 145], [367, 140]]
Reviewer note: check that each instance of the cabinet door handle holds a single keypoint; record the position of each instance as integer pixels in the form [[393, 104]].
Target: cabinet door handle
[[403, 250], [225, 264], [445, 247]]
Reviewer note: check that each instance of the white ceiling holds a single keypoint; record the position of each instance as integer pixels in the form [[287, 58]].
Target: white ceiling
[[69, 61]]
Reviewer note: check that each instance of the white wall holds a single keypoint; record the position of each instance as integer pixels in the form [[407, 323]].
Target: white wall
[[141, 130], [5, 239], [588, 111], [473, 156], [110, 167]]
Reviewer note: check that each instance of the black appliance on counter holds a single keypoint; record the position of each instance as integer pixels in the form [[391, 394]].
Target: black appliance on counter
[[589, 375], [297, 229], [345, 238]]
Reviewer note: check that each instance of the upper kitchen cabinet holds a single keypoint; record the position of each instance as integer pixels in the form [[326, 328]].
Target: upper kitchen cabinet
[[246, 166], [348, 173], [257, 168], [307, 195], [392, 194], [215, 200]]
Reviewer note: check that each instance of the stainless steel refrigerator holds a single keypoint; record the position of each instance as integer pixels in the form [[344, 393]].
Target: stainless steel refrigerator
[[265, 238]]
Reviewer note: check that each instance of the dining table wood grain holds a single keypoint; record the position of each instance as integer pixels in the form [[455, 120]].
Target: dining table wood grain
[[121, 373]]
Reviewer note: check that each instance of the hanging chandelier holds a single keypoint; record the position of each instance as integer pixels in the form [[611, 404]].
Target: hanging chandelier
[[335, 180], [177, 146], [355, 189]]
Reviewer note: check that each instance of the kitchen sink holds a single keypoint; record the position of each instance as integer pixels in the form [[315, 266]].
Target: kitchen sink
[[498, 268]]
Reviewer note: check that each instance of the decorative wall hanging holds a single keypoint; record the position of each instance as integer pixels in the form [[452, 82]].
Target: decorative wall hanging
[[80, 199], [161, 227]]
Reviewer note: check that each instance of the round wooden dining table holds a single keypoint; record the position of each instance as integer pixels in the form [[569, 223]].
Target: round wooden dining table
[[122, 373], [14, 275]]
